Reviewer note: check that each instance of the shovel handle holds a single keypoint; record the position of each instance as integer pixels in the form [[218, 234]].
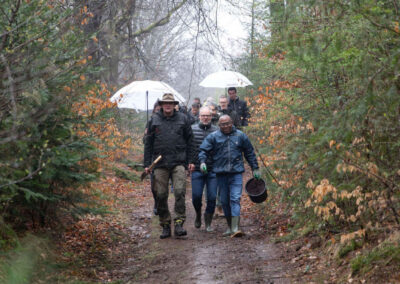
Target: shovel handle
[[144, 174], [155, 162]]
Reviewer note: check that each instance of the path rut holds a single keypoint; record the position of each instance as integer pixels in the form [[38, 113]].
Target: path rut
[[203, 257]]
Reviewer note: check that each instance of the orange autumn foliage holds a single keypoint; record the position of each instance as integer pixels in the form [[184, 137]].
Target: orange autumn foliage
[[110, 142], [271, 124]]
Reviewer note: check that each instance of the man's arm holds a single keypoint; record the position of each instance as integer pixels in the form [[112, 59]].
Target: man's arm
[[189, 142], [246, 114], [248, 152], [205, 148], [236, 119]]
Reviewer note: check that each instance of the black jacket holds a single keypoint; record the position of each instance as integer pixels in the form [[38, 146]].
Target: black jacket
[[200, 131], [234, 116], [170, 137], [241, 109], [193, 118]]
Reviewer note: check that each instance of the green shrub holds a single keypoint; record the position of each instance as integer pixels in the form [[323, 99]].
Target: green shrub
[[352, 246], [385, 254], [125, 174]]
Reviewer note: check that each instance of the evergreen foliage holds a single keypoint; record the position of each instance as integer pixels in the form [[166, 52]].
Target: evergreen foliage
[[332, 108], [43, 162]]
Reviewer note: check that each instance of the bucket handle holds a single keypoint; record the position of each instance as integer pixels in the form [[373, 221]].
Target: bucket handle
[[265, 166]]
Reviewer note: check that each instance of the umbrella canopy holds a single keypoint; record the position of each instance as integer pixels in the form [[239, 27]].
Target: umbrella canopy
[[225, 79], [134, 95]]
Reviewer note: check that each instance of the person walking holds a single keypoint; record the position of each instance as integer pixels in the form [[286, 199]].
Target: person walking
[[156, 108], [169, 134], [214, 112], [239, 106], [223, 109], [194, 113], [200, 178], [226, 147]]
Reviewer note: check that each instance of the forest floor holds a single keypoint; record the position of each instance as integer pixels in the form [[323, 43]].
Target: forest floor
[[125, 247], [201, 257]]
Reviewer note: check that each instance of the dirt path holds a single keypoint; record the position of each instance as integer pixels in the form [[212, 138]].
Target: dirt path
[[200, 257]]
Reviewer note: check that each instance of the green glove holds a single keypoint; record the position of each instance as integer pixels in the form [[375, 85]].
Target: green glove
[[203, 168], [256, 174]]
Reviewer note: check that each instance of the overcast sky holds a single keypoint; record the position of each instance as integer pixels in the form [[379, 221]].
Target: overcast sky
[[233, 22]]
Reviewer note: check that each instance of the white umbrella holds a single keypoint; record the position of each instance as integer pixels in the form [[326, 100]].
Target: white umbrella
[[225, 79], [141, 95]]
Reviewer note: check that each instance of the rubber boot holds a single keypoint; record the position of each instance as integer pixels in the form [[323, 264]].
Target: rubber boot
[[207, 221], [166, 232], [179, 230], [236, 232], [155, 211], [228, 232], [197, 221]]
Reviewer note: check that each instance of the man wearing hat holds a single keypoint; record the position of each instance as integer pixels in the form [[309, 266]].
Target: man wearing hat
[[169, 135]]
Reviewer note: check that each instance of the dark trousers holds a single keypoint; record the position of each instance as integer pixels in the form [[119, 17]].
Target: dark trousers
[[161, 181]]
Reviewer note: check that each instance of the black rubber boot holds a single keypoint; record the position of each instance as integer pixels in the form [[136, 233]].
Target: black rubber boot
[[197, 221], [179, 230], [166, 232], [207, 221]]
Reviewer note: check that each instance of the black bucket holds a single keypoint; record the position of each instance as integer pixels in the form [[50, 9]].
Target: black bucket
[[256, 190]]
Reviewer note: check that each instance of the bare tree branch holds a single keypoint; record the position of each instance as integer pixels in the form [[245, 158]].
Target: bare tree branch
[[161, 22]]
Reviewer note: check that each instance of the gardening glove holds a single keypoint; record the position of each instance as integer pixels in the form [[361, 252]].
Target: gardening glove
[[203, 168], [256, 174]]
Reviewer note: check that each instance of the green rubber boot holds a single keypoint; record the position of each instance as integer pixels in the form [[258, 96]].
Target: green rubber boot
[[228, 232], [207, 221], [236, 232]]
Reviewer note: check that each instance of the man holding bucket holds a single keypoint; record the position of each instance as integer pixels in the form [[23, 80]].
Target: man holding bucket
[[226, 147]]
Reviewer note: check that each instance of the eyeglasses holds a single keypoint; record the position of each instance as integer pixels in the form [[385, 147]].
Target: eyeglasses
[[205, 115]]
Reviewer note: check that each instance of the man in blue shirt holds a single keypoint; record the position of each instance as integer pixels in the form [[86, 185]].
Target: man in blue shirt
[[226, 147]]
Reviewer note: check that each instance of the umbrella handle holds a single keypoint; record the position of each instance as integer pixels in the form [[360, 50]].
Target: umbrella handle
[[147, 107]]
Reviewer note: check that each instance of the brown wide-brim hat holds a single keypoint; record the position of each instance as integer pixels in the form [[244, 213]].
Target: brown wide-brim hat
[[168, 98]]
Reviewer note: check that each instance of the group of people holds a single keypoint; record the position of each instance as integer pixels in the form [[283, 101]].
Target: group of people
[[212, 152], [233, 106]]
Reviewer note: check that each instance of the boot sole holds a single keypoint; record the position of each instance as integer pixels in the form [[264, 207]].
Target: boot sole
[[238, 234], [165, 237]]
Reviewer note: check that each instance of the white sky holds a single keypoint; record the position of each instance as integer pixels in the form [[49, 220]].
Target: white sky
[[232, 20]]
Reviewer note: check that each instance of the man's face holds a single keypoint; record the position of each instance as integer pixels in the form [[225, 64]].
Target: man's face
[[223, 103], [195, 110], [168, 108], [232, 94], [213, 110], [205, 116], [225, 124], [196, 101]]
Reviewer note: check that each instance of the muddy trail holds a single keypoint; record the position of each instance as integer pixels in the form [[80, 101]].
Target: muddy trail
[[200, 257]]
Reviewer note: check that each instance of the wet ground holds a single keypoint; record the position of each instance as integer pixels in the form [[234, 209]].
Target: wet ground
[[200, 257]]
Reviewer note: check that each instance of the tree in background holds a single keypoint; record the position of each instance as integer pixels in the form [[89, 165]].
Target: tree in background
[[326, 114], [43, 65]]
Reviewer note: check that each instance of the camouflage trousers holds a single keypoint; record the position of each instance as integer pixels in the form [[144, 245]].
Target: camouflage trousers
[[161, 182]]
